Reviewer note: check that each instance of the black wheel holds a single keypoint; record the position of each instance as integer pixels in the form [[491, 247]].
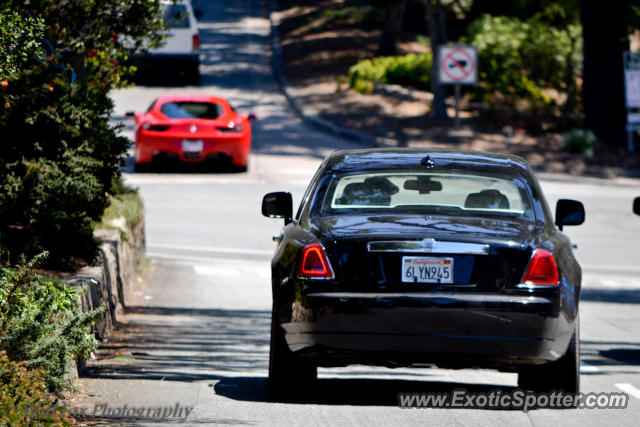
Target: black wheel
[[142, 167], [289, 376], [563, 374], [193, 74]]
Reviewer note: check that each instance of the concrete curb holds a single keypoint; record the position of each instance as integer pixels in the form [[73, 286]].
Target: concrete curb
[[110, 278], [307, 114]]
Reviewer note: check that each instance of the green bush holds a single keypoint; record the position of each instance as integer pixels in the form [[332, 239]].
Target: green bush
[[580, 141], [364, 15], [58, 153], [407, 70], [24, 399], [519, 60], [39, 323], [126, 202]]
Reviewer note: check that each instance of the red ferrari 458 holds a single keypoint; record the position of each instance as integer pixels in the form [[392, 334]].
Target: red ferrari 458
[[192, 128]]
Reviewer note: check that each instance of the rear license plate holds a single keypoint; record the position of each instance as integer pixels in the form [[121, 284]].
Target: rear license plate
[[192, 145], [427, 269]]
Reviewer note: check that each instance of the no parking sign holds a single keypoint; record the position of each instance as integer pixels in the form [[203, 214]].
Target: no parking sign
[[458, 65]]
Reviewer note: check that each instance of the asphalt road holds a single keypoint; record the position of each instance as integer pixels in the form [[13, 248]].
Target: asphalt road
[[197, 331]]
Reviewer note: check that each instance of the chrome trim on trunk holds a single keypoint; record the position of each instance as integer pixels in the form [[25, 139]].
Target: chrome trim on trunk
[[429, 246]]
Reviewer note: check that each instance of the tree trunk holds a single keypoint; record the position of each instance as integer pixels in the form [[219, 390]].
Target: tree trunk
[[605, 38], [438, 36], [392, 27]]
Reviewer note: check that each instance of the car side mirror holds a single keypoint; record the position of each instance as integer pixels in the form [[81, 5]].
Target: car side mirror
[[636, 206], [130, 114], [569, 212], [278, 205], [252, 117], [197, 13]]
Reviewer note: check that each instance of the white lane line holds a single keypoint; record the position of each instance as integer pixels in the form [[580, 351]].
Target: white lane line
[[598, 281], [191, 260], [218, 271], [611, 268], [586, 368], [210, 249], [222, 270], [629, 389], [158, 179]]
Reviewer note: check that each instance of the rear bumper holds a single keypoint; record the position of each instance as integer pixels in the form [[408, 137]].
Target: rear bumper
[[234, 149], [164, 61], [446, 329]]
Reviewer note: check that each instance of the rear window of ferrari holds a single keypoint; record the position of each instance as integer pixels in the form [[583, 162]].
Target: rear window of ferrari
[[441, 193], [191, 110]]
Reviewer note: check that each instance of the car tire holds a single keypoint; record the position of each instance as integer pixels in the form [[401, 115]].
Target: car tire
[[289, 376], [142, 167], [193, 74], [563, 374]]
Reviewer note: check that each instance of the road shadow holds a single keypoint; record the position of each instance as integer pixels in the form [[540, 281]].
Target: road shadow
[[229, 349], [183, 344], [352, 392], [614, 296], [609, 357]]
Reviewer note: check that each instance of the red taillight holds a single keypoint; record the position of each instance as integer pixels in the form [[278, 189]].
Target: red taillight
[[314, 263], [542, 269], [196, 41]]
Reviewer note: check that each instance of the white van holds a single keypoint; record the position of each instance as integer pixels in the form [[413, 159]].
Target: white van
[[179, 56]]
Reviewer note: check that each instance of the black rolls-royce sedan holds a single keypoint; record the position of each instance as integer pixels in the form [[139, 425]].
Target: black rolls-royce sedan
[[407, 257]]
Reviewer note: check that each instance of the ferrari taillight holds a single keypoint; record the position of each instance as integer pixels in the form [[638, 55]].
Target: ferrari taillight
[[155, 128], [196, 41], [314, 263], [231, 127], [542, 269]]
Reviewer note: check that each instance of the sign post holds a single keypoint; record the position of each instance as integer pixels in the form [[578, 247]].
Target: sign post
[[632, 95], [458, 65]]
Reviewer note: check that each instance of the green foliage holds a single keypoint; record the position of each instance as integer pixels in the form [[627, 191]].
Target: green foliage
[[521, 60], [102, 32], [127, 203], [39, 323], [580, 141], [407, 70], [19, 40], [58, 153], [363, 15], [24, 399]]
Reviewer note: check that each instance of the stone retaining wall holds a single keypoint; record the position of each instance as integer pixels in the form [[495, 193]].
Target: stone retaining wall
[[112, 276]]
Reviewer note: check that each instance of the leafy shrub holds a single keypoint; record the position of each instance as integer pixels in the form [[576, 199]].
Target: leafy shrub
[[365, 15], [407, 70], [125, 202], [580, 141], [39, 323], [19, 36], [24, 399], [519, 60], [58, 153]]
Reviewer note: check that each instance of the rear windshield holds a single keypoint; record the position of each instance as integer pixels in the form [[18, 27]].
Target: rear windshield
[[176, 16], [438, 193], [191, 110]]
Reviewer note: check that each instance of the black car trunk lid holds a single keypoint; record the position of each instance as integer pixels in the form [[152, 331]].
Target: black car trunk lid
[[461, 255]]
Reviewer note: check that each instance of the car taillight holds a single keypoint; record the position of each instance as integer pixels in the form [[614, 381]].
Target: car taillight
[[196, 41], [231, 127], [542, 269], [314, 263], [155, 128]]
